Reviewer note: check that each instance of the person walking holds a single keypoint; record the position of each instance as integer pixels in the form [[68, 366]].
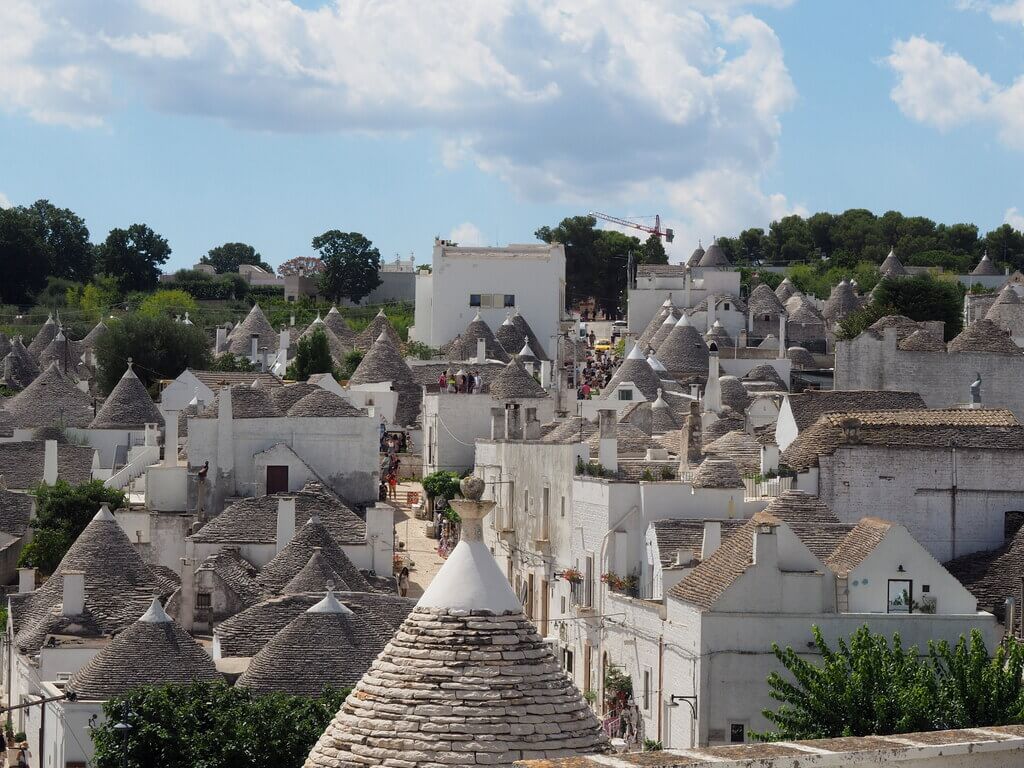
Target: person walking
[[393, 486], [442, 382], [403, 582]]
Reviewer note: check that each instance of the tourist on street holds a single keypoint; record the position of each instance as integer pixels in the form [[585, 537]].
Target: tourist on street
[[403, 582], [442, 381]]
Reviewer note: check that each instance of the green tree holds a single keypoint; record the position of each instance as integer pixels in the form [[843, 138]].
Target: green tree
[[228, 257], [441, 483], [922, 297], [96, 298], [133, 256], [160, 347], [1006, 244], [352, 360], [653, 251], [167, 304], [871, 686], [232, 364], [24, 265], [350, 265], [62, 513], [211, 725], [65, 238], [855, 323], [313, 355]]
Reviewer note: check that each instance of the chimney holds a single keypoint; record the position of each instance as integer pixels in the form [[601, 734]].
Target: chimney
[[481, 351], [782, 336], [187, 595], [741, 339], [531, 429], [285, 521], [711, 312], [263, 359], [766, 546], [713, 389], [608, 448], [689, 439], [497, 423], [695, 391], [545, 374], [513, 422], [254, 348], [687, 283], [26, 580], [769, 458], [171, 439], [712, 538], [285, 341], [74, 593], [750, 321], [291, 321], [50, 462], [222, 340]]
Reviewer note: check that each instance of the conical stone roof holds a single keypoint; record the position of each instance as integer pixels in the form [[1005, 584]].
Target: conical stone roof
[[326, 646], [43, 337], [466, 677], [662, 420], [802, 312], [786, 290], [128, 406], [664, 329], [684, 353], [239, 341], [340, 328], [524, 329], [801, 358], [765, 372], [366, 338], [93, 336], [65, 353], [316, 576], [986, 267], [338, 347], [635, 368], [513, 382], [5, 344], [734, 394], [664, 311], [763, 301], [276, 574], [892, 267], [152, 651], [508, 335], [980, 336], [52, 399], [921, 341], [714, 256], [716, 333], [20, 368], [382, 362], [717, 473], [119, 586], [1008, 312], [696, 256], [463, 346], [841, 302]]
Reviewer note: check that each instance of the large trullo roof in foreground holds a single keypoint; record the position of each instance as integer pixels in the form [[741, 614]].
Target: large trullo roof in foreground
[[466, 680]]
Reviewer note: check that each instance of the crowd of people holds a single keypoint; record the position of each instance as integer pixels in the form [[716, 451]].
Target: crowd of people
[[597, 371], [460, 382]]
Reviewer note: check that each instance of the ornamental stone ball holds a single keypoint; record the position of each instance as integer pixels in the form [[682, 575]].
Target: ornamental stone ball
[[472, 488]]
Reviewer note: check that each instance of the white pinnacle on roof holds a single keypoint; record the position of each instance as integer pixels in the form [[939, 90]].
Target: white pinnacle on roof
[[330, 604], [655, 363], [667, 303], [526, 352], [383, 336], [659, 402], [155, 614], [635, 353], [684, 320], [470, 579], [508, 319], [104, 514]]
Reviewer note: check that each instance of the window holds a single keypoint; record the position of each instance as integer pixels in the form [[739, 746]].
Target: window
[[526, 501], [625, 394], [588, 582], [561, 603], [926, 588], [567, 660], [510, 514], [563, 506], [510, 299], [737, 733], [647, 689], [901, 596], [474, 299], [545, 513], [726, 306], [203, 600]]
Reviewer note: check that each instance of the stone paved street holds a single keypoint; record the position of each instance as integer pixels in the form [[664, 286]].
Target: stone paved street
[[421, 550]]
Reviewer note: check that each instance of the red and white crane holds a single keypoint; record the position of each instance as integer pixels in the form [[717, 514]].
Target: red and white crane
[[667, 233]]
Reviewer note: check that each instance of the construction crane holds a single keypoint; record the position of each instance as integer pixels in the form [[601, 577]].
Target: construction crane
[[667, 233]]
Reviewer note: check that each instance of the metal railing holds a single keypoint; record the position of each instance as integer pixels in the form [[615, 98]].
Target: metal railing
[[768, 488]]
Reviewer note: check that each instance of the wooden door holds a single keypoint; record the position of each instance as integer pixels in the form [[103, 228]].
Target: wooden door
[[543, 608], [277, 479]]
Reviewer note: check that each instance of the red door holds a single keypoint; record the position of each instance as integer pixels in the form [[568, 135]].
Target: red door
[[277, 479]]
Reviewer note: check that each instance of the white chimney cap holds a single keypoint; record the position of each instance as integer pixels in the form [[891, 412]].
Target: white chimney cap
[[155, 614], [104, 514], [330, 604]]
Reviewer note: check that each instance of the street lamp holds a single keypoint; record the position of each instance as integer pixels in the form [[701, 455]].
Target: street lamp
[[122, 729]]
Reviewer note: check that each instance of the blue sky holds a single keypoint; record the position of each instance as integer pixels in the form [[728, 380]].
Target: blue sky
[[268, 122]]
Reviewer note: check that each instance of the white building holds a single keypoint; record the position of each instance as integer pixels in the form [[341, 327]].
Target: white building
[[464, 281]]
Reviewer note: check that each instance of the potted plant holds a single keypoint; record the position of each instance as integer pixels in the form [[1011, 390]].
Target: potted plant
[[572, 575]]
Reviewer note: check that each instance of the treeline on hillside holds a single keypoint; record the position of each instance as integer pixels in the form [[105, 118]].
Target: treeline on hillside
[[858, 235], [47, 258]]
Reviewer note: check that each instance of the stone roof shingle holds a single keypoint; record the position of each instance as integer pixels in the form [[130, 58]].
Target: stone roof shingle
[[808, 406], [986, 337], [128, 406]]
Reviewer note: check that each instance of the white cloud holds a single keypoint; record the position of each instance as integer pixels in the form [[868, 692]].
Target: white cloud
[[1011, 12], [570, 100], [467, 234], [1014, 218], [945, 90], [5, 201]]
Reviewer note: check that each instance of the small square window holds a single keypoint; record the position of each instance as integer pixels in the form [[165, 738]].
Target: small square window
[[474, 299], [726, 306], [203, 600], [737, 733], [625, 394], [926, 587], [510, 299]]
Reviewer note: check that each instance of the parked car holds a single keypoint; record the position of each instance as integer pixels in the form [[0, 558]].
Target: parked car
[[603, 345]]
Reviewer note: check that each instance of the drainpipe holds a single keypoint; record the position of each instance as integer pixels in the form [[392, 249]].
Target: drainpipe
[[661, 681], [952, 510]]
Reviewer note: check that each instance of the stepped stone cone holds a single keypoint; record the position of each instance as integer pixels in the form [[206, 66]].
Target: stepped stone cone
[[465, 681]]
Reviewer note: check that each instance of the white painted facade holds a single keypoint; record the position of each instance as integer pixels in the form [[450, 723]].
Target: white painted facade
[[527, 278], [685, 292]]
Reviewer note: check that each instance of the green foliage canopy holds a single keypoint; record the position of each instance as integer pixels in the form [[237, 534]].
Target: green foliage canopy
[[441, 483], [211, 725], [350, 265], [62, 513], [228, 257], [160, 348], [313, 355], [923, 297], [134, 256], [871, 686], [167, 303], [23, 259]]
